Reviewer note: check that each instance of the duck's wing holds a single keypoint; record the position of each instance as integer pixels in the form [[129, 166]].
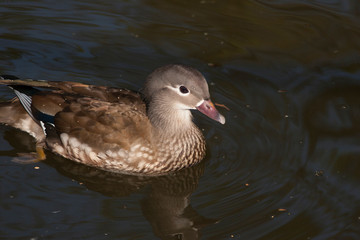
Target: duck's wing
[[91, 131]]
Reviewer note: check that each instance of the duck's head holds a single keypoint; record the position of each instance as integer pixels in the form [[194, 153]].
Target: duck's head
[[172, 90]]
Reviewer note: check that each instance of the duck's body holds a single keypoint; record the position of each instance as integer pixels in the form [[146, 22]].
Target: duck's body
[[116, 129]]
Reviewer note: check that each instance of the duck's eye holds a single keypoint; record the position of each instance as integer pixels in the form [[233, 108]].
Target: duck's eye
[[183, 89]]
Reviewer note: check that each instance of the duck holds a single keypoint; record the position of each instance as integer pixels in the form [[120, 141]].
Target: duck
[[146, 132]]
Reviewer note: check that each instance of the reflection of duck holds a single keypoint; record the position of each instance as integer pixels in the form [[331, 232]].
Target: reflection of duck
[[166, 206], [116, 129]]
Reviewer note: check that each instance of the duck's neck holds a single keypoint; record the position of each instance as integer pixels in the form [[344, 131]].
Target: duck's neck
[[179, 141], [169, 121]]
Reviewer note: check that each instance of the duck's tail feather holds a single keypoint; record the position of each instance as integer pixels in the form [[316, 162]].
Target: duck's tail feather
[[13, 115]]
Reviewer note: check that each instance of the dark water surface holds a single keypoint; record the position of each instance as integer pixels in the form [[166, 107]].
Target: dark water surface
[[286, 165]]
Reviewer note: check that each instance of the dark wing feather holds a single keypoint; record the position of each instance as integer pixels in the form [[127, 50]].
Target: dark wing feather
[[24, 94]]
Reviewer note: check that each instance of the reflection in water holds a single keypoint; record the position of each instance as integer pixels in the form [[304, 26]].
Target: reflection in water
[[167, 207], [166, 204]]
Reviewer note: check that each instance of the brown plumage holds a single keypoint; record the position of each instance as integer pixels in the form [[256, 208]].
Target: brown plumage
[[116, 129]]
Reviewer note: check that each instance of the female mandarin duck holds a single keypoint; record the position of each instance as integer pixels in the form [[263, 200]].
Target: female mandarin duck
[[118, 130]]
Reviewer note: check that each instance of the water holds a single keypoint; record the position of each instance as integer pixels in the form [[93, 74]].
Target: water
[[286, 164]]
